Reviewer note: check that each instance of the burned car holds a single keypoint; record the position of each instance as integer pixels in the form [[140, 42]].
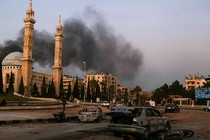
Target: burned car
[[137, 121], [90, 114]]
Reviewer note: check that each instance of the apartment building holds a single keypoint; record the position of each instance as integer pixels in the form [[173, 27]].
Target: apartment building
[[102, 78], [192, 82]]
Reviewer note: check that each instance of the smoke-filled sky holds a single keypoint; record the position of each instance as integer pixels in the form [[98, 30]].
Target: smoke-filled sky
[[142, 42]]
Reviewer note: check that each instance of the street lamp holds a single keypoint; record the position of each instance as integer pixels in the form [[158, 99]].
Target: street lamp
[[84, 63]]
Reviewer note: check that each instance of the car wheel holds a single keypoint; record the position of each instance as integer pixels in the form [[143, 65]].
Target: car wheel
[[167, 127], [146, 133]]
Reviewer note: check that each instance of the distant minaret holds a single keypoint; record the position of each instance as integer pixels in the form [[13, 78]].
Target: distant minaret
[[57, 68], [27, 60]]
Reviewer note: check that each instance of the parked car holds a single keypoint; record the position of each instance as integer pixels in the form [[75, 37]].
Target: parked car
[[90, 114], [206, 108], [105, 104], [137, 121], [172, 108], [120, 103]]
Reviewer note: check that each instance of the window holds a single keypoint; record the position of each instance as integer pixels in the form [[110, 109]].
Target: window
[[148, 112], [137, 111], [156, 113]]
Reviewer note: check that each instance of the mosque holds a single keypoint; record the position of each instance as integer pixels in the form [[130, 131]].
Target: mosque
[[20, 64]]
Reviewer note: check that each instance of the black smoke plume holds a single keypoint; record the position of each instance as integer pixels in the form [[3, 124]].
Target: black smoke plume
[[95, 44]]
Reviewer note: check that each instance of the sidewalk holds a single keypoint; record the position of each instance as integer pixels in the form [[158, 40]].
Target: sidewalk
[[29, 114]]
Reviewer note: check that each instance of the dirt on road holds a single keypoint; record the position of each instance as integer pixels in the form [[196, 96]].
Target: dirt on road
[[198, 121]]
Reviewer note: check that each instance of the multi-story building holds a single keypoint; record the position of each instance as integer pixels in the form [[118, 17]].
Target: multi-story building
[[71, 80], [103, 79], [122, 91], [192, 82]]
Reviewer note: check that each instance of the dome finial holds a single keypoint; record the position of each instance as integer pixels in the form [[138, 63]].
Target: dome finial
[[30, 7], [59, 21]]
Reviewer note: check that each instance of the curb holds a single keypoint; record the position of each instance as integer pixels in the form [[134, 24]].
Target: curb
[[34, 107], [47, 120], [9, 122]]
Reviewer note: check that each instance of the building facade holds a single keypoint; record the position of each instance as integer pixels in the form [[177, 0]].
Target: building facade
[[72, 81], [192, 82], [102, 78]]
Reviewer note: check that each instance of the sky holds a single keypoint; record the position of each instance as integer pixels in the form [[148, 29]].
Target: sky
[[172, 36]]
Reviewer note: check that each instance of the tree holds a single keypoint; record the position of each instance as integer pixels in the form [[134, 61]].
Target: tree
[[21, 87], [119, 95], [176, 88], [11, 82], [68, 94], [157, 95], [76, 90], [104, 93], [164, 90], [137, 91], [189, 94], [98, 92], [82, 93], [35, 90], [43, 88], [111, 92], [207, 84], [93, 85], [49, 90], [61, 91], [53, 89], [88, 92]]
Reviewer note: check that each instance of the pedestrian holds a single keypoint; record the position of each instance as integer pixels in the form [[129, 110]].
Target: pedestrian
[[64, 104]]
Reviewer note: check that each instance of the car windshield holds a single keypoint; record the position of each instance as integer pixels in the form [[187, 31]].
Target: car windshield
[[105, 101], [121, 109]]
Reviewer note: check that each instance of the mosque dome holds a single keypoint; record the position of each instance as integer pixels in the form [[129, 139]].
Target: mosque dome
[[12, 59]]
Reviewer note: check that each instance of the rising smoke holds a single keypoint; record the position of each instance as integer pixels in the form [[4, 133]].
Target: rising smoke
[[96, 44]]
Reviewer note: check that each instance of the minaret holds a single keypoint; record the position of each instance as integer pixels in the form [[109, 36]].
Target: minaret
[[27, 60], [57, 68]]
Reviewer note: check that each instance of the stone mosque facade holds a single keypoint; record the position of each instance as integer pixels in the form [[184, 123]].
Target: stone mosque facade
[[21, 63]]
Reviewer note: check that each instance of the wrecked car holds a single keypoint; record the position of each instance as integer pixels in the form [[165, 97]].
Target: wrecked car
[[90, 114], [137, 121]]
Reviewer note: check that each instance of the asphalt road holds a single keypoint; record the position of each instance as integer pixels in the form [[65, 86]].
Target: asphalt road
[[198, 121]]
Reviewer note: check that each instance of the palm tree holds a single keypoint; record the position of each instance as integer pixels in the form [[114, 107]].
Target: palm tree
[[137, 91]]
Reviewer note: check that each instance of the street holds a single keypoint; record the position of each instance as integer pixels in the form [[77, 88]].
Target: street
[[198, 121]]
